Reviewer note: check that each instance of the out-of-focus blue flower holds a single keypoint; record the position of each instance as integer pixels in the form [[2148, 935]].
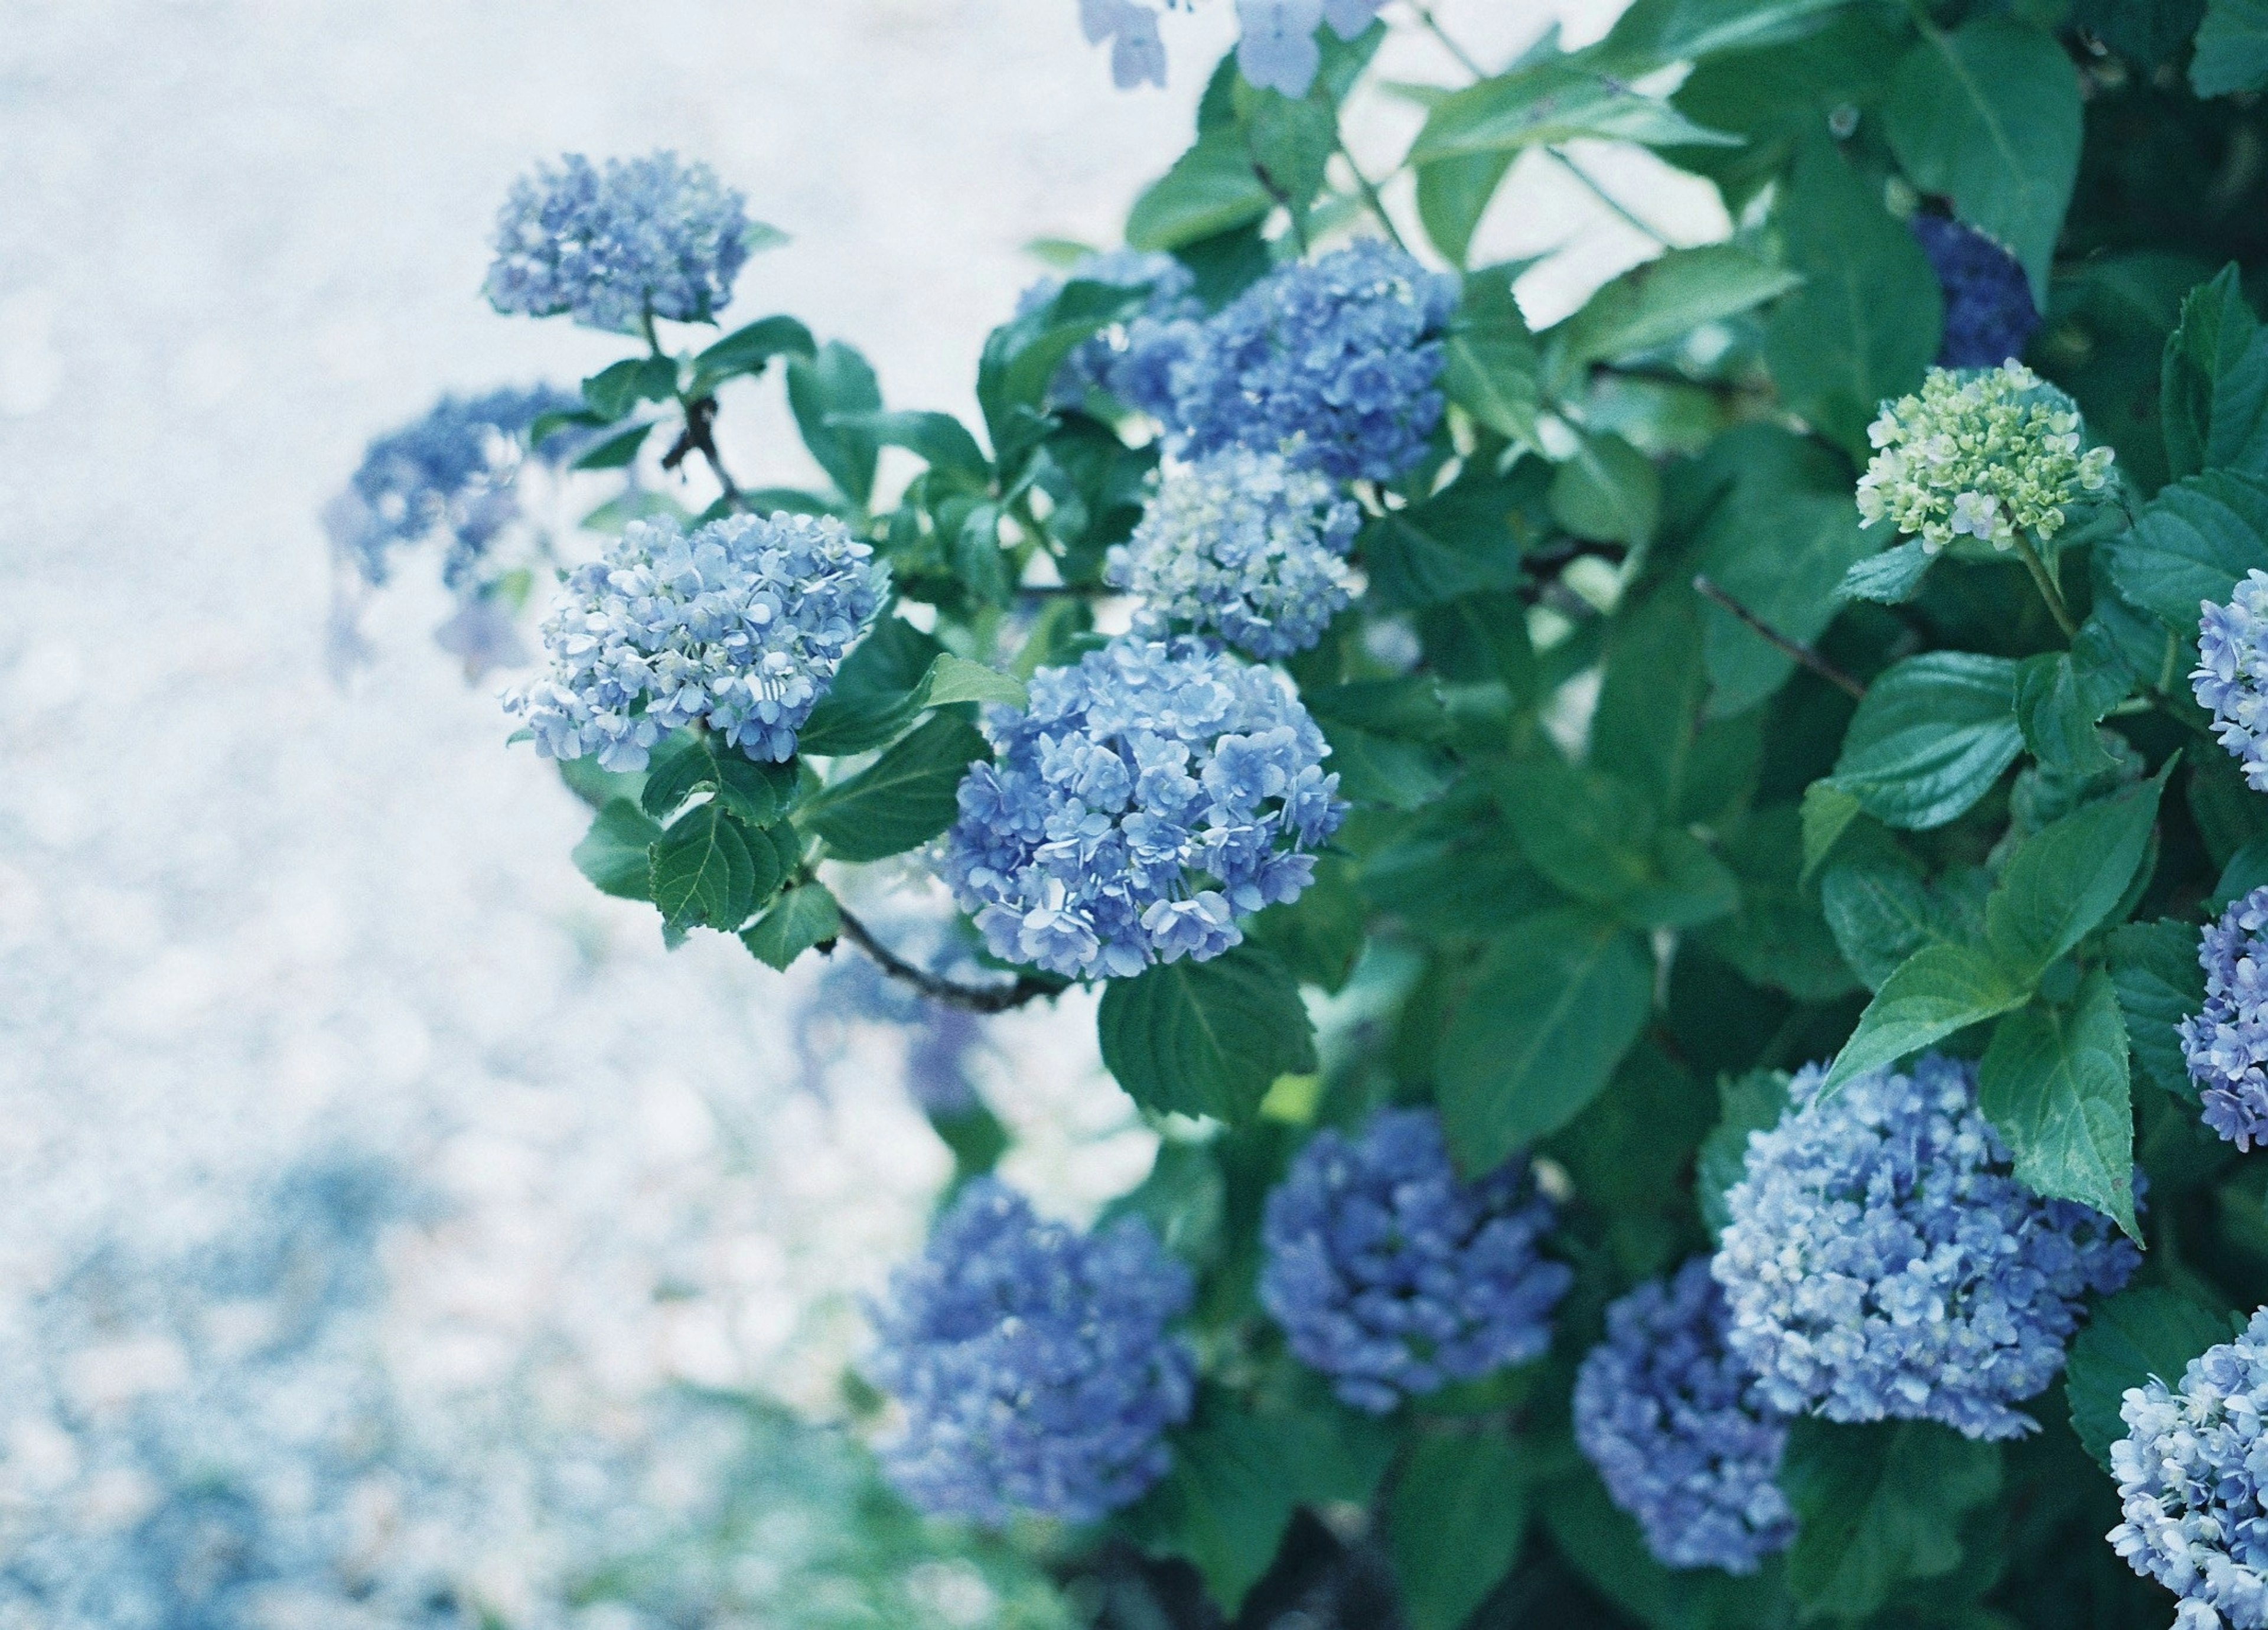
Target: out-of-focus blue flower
[[1671, 1419], [1278, 50], [1244, 544], [1882, 1261], [1333, 362], [738, 626], [1392, 1276], [2231, 679], [1149, 797], [2190, 1470], [2226, 1045], [1132, 360], [611, 245], [1989, 315], [1033, 1365], [1138, 55]]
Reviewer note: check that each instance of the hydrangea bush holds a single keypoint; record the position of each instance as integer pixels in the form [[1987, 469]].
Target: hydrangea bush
[[1650, 866]]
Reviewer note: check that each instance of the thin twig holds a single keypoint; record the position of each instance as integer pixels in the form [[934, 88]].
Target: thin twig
[[1433, 27], [972, 998], [1370, 196], [699, 434], [1800, 652], [2049, 590], [1608, 199]]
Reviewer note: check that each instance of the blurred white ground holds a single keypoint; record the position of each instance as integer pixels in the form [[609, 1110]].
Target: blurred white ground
[[245, 916]]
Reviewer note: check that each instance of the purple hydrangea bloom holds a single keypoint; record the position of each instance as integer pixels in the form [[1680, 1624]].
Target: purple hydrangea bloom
[[1673, 1423], [1989, 315], [1132, 360], [2231, 678], [1882, 1261], [2190, 1471], [2226, 1043], [1149, 797], [1332, 362], [610, 245], [738, 626], [1393, 1276], [1032, 1364]]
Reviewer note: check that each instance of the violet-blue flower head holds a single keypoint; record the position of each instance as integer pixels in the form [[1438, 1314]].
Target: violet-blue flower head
[[738, 626], [1989, 315], [2226, 1045], [2231, 678], [1244, 544], [1033, 1365], [1393, 1276], [1149, 796], [1882, 1261], [1673, 1423]]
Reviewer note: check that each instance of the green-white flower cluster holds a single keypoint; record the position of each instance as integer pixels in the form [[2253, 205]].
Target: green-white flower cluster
[[1985, 453]]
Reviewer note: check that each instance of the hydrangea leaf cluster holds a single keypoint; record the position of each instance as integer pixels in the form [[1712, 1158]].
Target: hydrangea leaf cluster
[[2231, 678], [1132, 361], [1334, 362], [1989, 315], [611, 247], [1033, 1365], [2226, 1043], [1672, 1421], [1882, 1261], [1982, 453], [2190, 1470], [1393, 1276], [1147, 798], [1247, 545], [738, 626]]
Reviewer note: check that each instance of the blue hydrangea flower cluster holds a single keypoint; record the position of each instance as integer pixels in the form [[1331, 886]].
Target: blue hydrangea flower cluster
[[1671, 1419], [2190, 1471], [2226, 1043], [1393, 1276], [611, 245], [1033, 1364], [738, 626], [1132, 361], [2231, 678], [1882, 1261], [1278, 49], [1989, 315], [1333, 361], [1148, 797], [1246, 545]]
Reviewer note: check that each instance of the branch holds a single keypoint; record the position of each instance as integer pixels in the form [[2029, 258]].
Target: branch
[[974, 999], [1801, 653]]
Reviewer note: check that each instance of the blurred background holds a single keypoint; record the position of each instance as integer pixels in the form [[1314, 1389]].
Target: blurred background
[[390, 1231]]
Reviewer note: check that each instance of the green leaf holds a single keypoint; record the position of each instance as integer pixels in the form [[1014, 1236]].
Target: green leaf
[[1206, 1039], [1827, 812], [1937, 991], [1454, 1524], [1653, 33], [805, 916], [1932, 735], [2138, 1335], [1374, 769], [1453, 195], [2191, 544], [837, 381], [1608, 489], [1662, 301], [1881, 915], [2054, 1084], [1547, 102], [1548, 1013], [2067, 879], [879, 691], [1988, 115], [2232, 48], [747, 350], [2154, 967], [1211, 190], [1876, 1506], [1022, 358], [1751, 1103], [1464, 540], [1650, 695], [1491, 368], [614, 854], [1777, 938], [615, 451], [1688, 886], [938, 439], [903, 799], [2061, 696], [1289, 139], [1890, 579], [2212, 395], [956, 679], [976, 558], [706, 873], [687, 762], [615, 390], [1581, 827]]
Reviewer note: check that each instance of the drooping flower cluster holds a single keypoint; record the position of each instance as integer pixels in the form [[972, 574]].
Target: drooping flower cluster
[[738, 626], [1671, 1419], [2226, 1045], [1244, 544], [1132, 361], [1147, 798], [1982, 455], [1989, 315], [1333, 361], [1393, 1276], [611, 245], [2190, 1470], [1033, 1364], [1882, 1261], [1278, 49], [2231, 678]]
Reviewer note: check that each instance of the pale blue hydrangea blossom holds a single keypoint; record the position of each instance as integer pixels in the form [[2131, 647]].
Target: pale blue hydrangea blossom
[[1033, 1366], [1673, 1423], [2226, 1045], [1882, 1261], [1278, 50], [1393, 1276], [2231, 678], [1132, 360], [1148, 797], [2190, 1470], [612, 246], [738, 626], [1244, 544]]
